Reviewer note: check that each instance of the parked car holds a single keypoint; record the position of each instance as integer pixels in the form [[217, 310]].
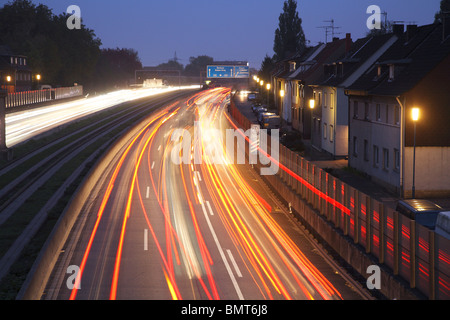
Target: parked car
[[259, 110], [260, 116], [256, 105], [271, 122], [251, 96], [443, 224], [423, 212]]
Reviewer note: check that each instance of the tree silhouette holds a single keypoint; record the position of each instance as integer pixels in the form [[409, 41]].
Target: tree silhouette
[[289, 36]]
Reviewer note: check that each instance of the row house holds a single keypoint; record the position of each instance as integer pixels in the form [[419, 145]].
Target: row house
[[412, 73], [15, 75], [308, 72], [329, 132]]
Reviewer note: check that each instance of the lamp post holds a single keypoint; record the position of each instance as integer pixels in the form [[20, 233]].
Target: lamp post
[[312, 105], [282, 108], [38, 78], [415, 118], [268, 91]]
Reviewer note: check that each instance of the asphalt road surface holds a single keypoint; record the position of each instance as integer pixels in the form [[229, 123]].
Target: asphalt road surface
[[172, 220]]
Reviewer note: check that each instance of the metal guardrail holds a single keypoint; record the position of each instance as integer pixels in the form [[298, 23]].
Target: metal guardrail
[[413, 252], [19, 99]]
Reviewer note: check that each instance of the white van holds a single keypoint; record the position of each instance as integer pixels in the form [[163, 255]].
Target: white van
[[443, 224]]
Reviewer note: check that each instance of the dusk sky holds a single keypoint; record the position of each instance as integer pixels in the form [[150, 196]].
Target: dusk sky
[[225, 29]]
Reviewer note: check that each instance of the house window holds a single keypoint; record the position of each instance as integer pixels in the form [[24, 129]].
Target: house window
[[397, 115], [378, 112], [376, 158], [325, 102], [331, 100], [355, 110], [387, 113], [355, 147], [391, 72], [366, 150], [366, 111], [324, 131], [397, 159], [331, 133], [385, 159], [320, 99]]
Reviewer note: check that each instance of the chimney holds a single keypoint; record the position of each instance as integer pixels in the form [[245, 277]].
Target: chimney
[[348, 42], [398, 29], [411, 31]]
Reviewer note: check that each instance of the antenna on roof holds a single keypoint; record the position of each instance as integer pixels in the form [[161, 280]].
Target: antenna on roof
[[328, 28]]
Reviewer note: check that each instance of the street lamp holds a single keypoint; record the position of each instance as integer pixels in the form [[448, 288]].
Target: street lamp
[[312, 105], [415, 118], [268, 90], [38, 78]]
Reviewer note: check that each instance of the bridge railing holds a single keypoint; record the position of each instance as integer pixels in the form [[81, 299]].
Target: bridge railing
[[25, 98]]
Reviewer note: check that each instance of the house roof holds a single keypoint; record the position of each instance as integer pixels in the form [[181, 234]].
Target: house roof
[[283, 72], [314, 68], [412, 56], [361, 50]]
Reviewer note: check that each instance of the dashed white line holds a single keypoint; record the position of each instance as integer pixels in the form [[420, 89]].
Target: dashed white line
[[209, 208], [238, 272], [222, 254], [147, 195]]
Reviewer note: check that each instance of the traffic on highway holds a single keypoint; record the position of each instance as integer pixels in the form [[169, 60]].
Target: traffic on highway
[[157, 228]]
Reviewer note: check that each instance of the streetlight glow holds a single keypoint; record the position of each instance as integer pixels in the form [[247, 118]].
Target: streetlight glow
[[38, 76], [268, 86], [415, 114], [282, 93], [312, 103], [8, 78]]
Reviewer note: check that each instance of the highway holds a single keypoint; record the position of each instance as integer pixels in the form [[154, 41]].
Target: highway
[[24, 125], [162, 225]]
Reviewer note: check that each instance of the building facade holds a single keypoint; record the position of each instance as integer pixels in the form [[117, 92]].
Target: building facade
[[413, 73]]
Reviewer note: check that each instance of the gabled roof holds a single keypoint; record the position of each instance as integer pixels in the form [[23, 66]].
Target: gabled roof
[[424, 53], [412, 56], [314, 68], [283, 72], [361, 51]]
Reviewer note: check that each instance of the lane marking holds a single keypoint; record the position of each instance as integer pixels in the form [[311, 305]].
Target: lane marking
[[147, 195], [145, 239], [198, 175], [209, 208], [238, 272], [153, 164], [224, 258]]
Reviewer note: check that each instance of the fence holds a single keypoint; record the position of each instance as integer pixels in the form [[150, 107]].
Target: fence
[[413, 252], [19, 99]]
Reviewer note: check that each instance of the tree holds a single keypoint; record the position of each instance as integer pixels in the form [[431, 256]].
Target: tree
[[197, 65], [171, 65], [60, 55], [289, 36], [267, 67], [444, 10], [116, 67]]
